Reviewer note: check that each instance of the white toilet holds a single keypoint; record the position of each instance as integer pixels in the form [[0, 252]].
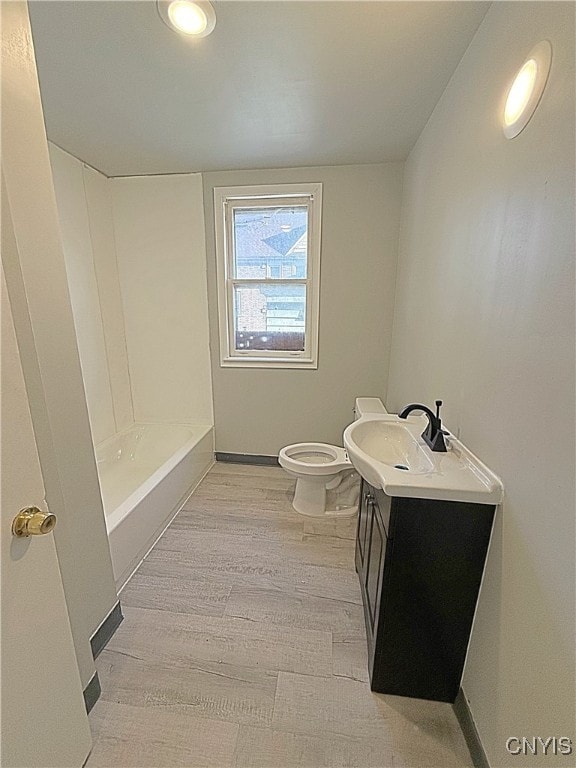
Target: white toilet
[[319, 467]]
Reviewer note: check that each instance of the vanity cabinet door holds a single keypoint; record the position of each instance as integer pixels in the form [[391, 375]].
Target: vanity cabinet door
[[375, 561], [420, 564], [363, 526]]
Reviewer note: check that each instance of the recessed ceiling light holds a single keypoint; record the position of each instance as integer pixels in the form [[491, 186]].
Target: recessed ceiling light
[[193, 19], [526, 90]]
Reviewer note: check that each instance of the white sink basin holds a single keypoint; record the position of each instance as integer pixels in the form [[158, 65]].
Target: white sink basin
[[390, 454]]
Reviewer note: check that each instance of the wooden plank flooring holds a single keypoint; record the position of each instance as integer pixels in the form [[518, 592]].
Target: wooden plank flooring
[[243, 645]]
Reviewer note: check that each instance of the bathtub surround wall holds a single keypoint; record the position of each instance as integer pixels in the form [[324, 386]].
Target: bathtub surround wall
[[485, 320], [68, 179], [100, 217], [135, 258], [258, 411], [84, 208], [160, 245]]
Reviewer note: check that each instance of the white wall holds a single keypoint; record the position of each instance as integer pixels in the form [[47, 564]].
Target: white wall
[[159, 230], [258, 411], [85, 212], [485, 320]]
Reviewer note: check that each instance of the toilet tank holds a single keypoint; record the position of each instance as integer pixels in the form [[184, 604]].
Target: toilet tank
[[365, 405]]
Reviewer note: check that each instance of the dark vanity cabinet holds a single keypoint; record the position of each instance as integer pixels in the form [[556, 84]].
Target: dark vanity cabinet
[[420, 563]]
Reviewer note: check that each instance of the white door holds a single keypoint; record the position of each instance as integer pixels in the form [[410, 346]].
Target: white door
[[44, 721], [43, 717]]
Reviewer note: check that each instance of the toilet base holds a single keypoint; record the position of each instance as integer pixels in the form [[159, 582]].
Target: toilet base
[[310, 499]]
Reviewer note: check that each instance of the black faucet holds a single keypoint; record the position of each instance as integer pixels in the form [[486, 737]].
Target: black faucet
[[433, 435]]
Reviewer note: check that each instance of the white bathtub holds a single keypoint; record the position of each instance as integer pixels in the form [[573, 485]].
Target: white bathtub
[[146, 473]]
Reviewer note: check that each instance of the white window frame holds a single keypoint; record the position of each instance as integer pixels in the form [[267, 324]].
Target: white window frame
[[225, 200]]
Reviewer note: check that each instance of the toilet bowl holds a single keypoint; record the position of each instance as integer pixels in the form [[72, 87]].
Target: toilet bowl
[[317, 467], [320, 467]]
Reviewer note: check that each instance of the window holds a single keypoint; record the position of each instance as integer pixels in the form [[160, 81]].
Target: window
[[268, 251]]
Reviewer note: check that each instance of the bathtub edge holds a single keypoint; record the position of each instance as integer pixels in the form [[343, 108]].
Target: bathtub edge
[[202, 470]]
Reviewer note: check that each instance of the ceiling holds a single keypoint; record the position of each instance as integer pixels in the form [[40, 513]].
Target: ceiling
[[277, 84]]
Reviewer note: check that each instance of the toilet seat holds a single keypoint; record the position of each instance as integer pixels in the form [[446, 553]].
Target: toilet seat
[[314, 458]]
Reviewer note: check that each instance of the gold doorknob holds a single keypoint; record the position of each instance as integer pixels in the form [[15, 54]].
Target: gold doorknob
[[33, 522]]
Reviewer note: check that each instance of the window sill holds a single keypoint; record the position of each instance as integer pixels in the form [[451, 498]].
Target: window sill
[[261, 362]]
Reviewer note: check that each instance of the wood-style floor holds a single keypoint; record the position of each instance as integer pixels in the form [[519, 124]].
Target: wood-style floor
[[243, 644]]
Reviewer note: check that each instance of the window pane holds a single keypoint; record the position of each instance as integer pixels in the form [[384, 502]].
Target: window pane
[[270, 317], [271, 242]]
